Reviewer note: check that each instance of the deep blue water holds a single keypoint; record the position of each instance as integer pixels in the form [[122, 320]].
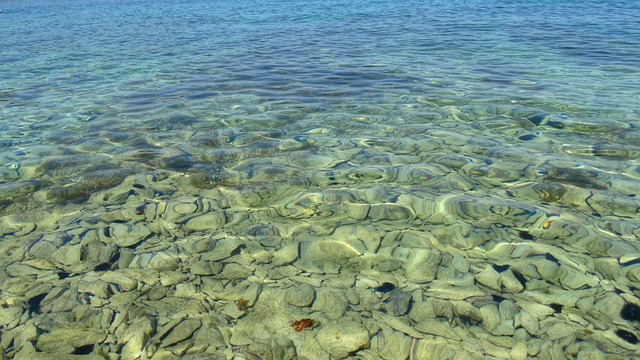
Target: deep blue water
[[583, 55]]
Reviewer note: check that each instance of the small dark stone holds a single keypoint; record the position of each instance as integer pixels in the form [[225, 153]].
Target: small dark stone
[[556, 307], [385, 287], [399, 302], [627, 336], [630, 312], [501, 268]]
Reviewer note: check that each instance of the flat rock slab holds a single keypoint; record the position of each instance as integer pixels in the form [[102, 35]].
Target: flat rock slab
[[181, 332], [63, 340]]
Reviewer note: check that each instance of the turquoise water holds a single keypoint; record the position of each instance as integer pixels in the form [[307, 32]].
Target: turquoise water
[[480, 123]]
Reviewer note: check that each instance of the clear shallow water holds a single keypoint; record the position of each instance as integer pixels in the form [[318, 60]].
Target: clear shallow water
[[510, 117]]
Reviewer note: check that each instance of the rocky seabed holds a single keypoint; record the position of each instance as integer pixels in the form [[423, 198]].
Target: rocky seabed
[[381, 273]]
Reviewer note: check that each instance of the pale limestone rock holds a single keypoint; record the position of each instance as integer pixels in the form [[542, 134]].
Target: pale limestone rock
[[208, 222], [342, 337], [300, 295], [223, 249], [490, 316], [286, 255], [93, 285], [28, 352], [394, 345], [489, 277], [65, 339], [9, 314], [333, 302], [396, 324], [125, 235], [124, 283], [180, 332], [558, 331], [437, 328]]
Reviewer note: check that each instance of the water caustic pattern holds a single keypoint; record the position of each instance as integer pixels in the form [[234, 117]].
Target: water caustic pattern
[[330, 180]]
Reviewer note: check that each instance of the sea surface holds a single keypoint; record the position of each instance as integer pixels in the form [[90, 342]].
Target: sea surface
[[402, 147]]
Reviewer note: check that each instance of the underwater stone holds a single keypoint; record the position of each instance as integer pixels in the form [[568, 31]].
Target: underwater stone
[[558, 331], [125, 235], [92, 285], [164, 260], [224, 248], [394, 344], [181, 332], [333, 302], [235, 271], [208, 222], [490, 317], [300, 295], [286, 255], [67, 339], [397, 324], [379, 212], [68, 255], [342, 337], [420, 265], [9, 314], [124, 283], [399, 302], [437, 328]]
